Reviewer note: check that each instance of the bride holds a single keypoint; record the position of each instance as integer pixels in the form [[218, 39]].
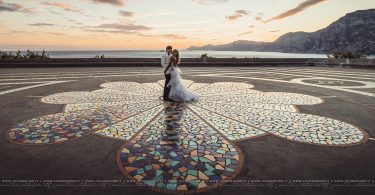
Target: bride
[[178, 91]]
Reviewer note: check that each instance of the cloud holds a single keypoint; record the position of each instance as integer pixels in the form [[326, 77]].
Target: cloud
[[258, 18], [125, 27], [113, 2], [54, 12], [56, 33], [13, 7], [20, 32], [209, 2], [110, 31], [302, 6], [118, 28], [158, 13], [273, 31], [174, 36], [42, 24], [245, 33], [64, 6], [126, 13], [238, 14], [165, 36]]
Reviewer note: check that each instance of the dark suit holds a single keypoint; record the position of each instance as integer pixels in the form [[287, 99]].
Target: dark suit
[[165, 62], [166, 89]]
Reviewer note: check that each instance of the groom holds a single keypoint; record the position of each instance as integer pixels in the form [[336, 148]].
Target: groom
[[165, 59]]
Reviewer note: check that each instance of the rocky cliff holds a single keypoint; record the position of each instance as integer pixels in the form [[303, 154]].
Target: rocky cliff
[[354, 32]]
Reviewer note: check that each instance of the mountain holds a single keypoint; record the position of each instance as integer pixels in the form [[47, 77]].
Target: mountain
[[354, 32]]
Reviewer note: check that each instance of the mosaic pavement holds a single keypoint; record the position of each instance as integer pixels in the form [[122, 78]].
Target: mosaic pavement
[[182, 147]]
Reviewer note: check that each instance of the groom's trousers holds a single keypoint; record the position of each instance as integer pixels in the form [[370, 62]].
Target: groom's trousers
[[166, 89]]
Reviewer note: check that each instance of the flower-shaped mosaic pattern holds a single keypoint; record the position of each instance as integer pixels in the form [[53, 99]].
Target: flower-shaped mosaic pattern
[[182, 147]]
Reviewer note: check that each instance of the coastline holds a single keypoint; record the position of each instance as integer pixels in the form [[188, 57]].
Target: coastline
[[183, 53]]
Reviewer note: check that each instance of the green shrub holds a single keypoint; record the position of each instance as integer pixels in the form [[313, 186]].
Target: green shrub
[[4, 54], [100, 56], [205, 57], [18, 55], [346, 54]]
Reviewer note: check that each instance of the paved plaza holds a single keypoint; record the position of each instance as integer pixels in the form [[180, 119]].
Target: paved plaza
[[254, 130]]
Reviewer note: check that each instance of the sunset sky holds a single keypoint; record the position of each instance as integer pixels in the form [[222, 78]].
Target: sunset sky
[[152, 24]]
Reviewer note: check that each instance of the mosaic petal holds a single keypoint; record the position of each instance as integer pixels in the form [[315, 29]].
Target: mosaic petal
[[234, 92], [196, 86], [59, 127], [223, 87], [103, 95], [155, 86], [132, 87], [186, 83], [186, 130], [294, 126], [267, 98], [234, 104], [319, 130], [233, 130], [125, 129], [66, 97], [129, 105]]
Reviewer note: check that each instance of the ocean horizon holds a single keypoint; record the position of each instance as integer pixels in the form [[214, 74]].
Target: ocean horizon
[[183, 54]]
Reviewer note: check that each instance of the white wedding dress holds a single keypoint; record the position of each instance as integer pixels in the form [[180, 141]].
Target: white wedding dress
[[178, 90]]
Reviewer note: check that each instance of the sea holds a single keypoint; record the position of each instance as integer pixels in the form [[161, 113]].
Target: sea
[[183, 54]]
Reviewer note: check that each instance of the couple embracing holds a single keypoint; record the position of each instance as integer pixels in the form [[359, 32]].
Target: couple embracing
[[174, 89]]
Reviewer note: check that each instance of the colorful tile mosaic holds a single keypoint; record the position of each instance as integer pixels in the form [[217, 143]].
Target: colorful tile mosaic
[[130, 87], [186, 83], [230, 102], [182, 147], [125, 129], [80, 120], [232, 129], [59, 127], [293, 126], [155, 86], [223, 87], [178, 151], [130, 105], [196, 86], [266, 98]]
